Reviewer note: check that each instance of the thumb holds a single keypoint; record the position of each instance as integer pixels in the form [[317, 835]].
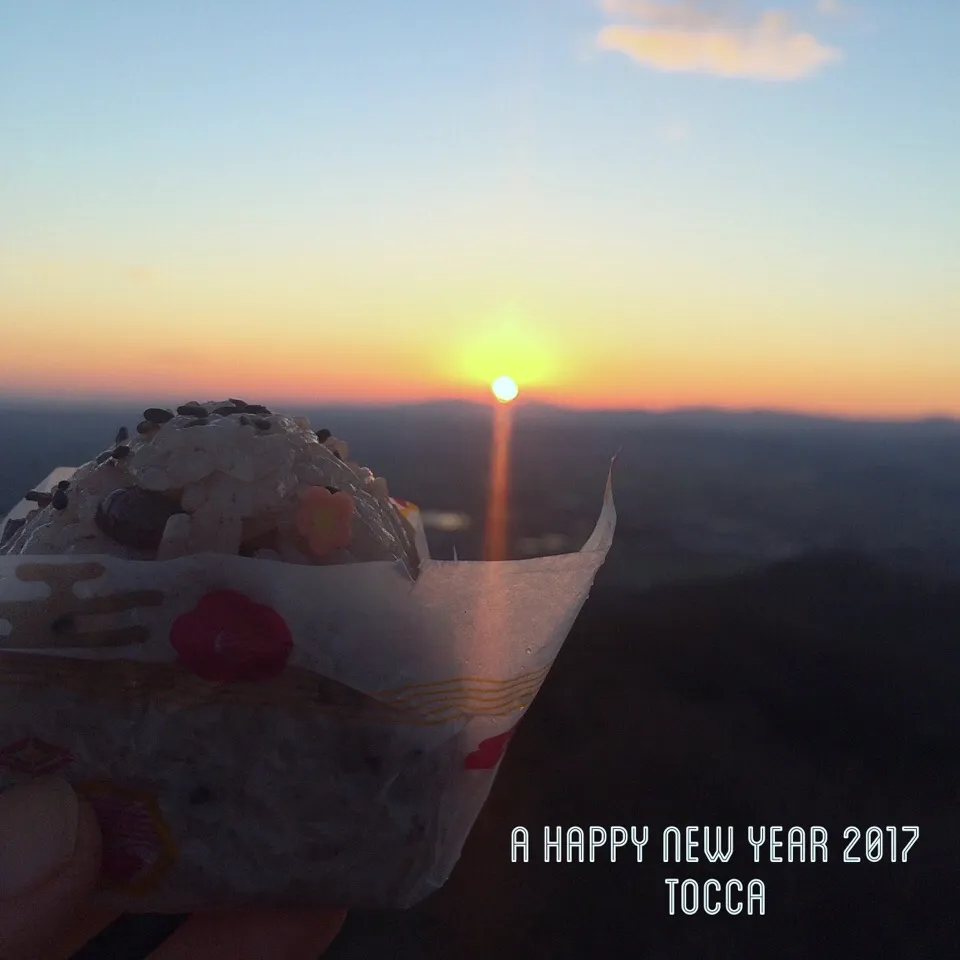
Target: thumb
[[49, 861]]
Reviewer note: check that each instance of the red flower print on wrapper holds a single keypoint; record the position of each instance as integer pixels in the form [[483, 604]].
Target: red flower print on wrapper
[[227, 638], [490, 751], [323, 519]]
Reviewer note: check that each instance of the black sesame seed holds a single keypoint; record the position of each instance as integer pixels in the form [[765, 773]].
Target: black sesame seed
[[257, 408], [157, 415], [60, 500], [122, 434], [64, 485], [324, 435], [105, 456], [261, 424], [147, 428], [120, 451], [333, 489], [192, 410]]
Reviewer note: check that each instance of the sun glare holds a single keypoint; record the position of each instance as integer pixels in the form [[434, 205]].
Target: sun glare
[[504, 389]]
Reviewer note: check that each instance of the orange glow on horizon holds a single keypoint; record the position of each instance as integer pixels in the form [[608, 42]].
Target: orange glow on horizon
[[304, 364]]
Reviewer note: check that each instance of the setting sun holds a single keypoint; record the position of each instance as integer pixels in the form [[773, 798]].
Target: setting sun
[[504, 389]]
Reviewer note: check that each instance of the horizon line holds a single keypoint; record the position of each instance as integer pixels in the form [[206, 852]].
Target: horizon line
[[81, 401]]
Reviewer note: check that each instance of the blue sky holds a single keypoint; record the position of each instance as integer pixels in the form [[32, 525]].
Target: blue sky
[[431, 167]]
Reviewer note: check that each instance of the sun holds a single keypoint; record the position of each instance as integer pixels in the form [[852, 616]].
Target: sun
[[504, 389]]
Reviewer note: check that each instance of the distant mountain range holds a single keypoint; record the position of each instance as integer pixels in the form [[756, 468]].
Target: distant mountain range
[[762, 418]]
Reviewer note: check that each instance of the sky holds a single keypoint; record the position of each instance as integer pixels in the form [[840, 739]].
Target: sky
[[619, 203]]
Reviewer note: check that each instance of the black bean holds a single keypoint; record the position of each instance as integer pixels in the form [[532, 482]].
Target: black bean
[[157, 415], [262, 541], [192, 410], [324, 435], [226, 411], [257, 408], [120, 452], [10, 528], [135, 517], [262, 424], [64, 485], [60, 501]]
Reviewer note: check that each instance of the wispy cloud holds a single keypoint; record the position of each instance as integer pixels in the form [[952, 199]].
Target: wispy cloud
[[683, 15], [839, 9], [690, 37]]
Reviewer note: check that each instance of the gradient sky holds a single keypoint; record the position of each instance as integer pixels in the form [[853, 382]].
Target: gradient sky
[[619, 203]]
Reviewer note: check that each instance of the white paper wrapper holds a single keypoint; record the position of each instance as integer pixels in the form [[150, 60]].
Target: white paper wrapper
[[343, 763]]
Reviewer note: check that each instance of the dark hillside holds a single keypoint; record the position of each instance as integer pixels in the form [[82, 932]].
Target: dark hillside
[[818, 692]]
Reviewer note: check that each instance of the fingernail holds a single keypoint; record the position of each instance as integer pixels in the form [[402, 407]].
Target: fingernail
[[38, 833]]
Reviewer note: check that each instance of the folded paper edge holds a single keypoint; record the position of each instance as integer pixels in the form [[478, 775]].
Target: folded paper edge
[[602, 537]]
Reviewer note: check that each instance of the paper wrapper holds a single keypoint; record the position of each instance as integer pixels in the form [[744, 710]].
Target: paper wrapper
[[251, 731]]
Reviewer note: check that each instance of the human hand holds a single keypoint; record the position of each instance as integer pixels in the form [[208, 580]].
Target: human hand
[[50, 849]]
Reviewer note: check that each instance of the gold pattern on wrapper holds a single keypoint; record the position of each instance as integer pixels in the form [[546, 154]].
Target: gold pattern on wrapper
[[296, 690], [170, 685], [58, 620], [446, 700]]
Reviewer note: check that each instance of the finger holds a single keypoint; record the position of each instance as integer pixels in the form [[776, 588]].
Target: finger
[[50, 849], [254, 935]]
